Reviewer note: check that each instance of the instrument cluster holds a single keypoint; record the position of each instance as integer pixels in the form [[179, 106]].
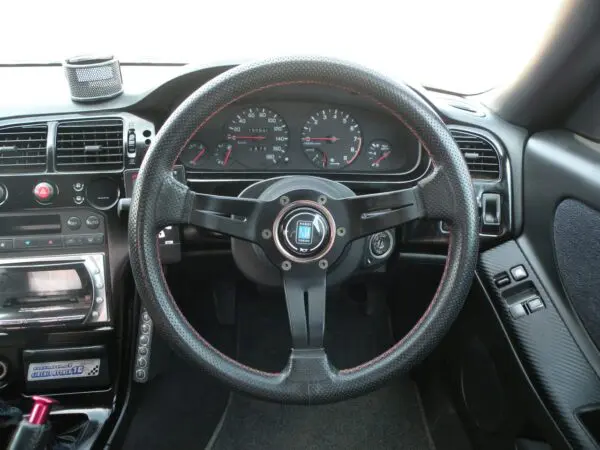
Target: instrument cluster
[[302, 137]]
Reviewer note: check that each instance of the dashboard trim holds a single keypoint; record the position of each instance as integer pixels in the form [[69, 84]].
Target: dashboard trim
[[264, 175]]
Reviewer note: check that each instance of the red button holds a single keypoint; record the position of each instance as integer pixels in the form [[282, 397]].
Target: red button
[[43, 192]]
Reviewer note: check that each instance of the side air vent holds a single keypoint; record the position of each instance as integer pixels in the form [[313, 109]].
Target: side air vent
[[23, 148], [480, 154], [89, 145]]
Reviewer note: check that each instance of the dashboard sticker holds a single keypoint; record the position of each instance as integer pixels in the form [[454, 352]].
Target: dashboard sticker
[[58, 370]]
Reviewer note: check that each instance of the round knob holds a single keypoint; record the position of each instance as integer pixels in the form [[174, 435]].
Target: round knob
[[380, 244], [44, 192], [3, 193]]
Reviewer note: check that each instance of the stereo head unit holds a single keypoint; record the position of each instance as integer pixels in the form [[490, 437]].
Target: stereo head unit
[[53, 290]]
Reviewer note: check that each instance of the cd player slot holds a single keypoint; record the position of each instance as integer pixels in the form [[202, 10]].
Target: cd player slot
[[48, 300]]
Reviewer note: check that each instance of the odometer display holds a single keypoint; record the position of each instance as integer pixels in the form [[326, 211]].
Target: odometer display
[[258, 134], [331, 139]]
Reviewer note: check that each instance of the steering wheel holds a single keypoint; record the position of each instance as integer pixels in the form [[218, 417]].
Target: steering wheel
[[302, 227]]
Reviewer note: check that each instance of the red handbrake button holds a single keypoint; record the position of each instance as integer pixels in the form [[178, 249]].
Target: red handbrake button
[[43, 192]]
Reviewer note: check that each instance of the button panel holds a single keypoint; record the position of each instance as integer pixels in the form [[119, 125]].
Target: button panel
[[144, 344]]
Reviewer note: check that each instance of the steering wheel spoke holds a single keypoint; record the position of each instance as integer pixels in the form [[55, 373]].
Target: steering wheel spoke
[[305, 292], [232, 216], [369, 214]]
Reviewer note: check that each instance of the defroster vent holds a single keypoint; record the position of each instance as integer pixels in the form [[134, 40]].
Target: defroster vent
[[89, 145], [23, 148], [480, 154]]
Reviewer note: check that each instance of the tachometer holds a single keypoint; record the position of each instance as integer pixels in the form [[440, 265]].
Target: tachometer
[[259, 136], [335, 134]]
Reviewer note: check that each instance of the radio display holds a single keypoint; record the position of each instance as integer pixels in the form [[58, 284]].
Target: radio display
[[21, 284], [53, 281]]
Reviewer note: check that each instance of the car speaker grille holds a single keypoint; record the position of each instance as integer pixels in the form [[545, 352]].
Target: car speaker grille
[[480, 154], [89, 145], [23, 148]]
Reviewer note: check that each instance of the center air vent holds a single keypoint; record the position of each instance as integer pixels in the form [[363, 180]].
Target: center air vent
[[89, 145], [480, 154], [23, 148]]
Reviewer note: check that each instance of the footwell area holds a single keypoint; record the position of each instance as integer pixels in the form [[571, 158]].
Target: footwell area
[[387, 419], [181, 407], [390, 418]]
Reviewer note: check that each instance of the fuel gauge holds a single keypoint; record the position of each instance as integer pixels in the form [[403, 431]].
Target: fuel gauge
[[379, 152], [193, 155]]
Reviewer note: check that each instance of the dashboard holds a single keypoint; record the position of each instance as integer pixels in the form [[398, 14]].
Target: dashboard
[[297, 136], [67, 172]]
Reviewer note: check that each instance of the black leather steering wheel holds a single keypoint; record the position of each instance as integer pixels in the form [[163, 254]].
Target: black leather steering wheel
[[445, 194]]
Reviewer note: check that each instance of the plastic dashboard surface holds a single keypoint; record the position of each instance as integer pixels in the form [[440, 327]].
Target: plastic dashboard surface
[[304, 137]]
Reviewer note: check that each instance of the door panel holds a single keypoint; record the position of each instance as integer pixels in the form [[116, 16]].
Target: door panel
[[560, 249]]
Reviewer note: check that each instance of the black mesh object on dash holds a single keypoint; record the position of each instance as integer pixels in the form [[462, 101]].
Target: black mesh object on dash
[[93, 79]]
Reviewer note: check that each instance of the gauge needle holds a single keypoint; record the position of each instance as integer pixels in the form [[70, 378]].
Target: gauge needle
[[328, 139], [381, 158], [227, 155], [198, 156], [251, 138]]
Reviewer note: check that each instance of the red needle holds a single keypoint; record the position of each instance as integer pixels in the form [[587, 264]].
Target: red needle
[[227, 155], [330, 139], [324, 159], [198, 156], [251, 138], [381, 158]]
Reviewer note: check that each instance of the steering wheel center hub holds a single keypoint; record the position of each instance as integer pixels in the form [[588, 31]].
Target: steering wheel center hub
[[304, 231]]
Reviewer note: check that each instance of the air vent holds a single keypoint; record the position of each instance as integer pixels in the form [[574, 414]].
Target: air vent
[[23, 148], [89, 145], [480, 154]]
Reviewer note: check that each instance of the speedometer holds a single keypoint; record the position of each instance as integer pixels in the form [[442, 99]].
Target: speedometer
[[331, 139], [259, 135]]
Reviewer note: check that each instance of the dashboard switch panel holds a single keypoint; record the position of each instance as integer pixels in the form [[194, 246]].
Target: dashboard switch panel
[[144, 344]]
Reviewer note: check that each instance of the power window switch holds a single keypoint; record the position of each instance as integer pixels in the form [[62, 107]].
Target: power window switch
[[518, 273], [501, 280], [518, 311], [535, 304]]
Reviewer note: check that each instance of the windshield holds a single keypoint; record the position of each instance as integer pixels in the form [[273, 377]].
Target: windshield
[[465, 46]]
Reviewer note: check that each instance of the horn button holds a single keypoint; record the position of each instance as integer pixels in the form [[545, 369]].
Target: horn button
[[304, 231]]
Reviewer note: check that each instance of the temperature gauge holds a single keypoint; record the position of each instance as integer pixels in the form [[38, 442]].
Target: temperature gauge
[[379, 153], [194, 155]]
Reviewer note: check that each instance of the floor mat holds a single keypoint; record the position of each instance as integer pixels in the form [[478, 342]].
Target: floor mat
[[179, 410], [182, 405], [390, 418]]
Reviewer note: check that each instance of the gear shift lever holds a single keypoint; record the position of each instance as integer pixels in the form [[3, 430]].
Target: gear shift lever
[[34, 433]]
